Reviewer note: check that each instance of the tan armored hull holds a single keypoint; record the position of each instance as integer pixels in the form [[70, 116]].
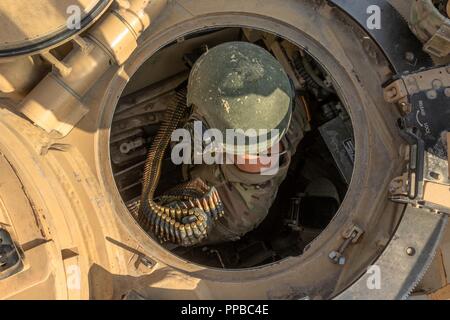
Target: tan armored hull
[[87, 87], [25, 23]]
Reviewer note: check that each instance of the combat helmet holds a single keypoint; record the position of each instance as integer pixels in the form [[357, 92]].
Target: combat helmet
[[241, 86]]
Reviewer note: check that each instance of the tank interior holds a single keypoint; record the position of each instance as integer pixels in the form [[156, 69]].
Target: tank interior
[[318, 175]]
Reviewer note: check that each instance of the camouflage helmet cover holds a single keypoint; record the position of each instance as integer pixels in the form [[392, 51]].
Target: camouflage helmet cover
[[238, 85]]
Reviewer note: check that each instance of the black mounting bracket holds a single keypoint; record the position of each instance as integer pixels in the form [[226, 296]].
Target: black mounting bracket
[[400, 46]]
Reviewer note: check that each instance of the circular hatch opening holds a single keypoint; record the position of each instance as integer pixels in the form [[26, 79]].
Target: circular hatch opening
[[319, 170]]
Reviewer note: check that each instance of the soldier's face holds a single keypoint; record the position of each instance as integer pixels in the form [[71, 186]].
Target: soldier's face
[[258, 163]]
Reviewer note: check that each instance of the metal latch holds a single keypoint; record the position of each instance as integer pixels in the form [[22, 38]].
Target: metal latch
[[351, 236], [423, 98]]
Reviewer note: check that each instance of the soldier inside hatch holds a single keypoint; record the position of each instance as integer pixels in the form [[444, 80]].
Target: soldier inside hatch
[[238, 85]]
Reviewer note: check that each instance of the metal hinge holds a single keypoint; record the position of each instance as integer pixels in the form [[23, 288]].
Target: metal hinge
[[351, 236], [424, 99]]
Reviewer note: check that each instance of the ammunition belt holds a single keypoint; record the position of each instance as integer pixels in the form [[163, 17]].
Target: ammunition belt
[[185, 214]]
